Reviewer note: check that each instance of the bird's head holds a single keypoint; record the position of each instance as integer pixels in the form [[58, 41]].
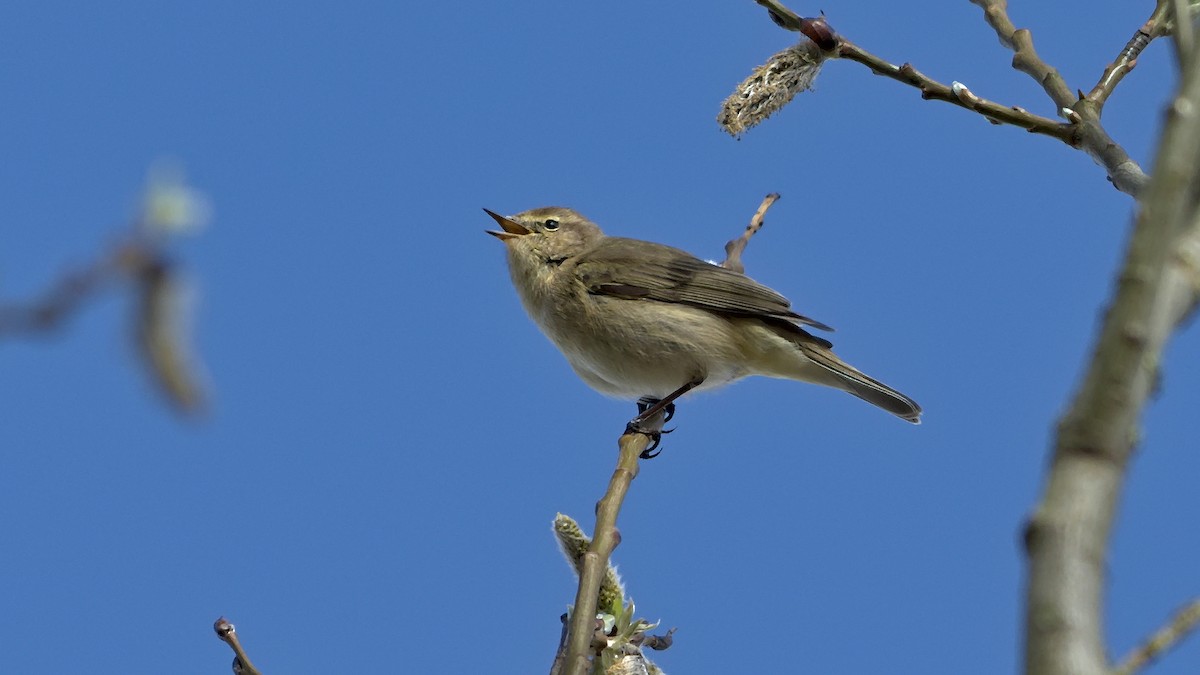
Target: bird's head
[[547, 235]]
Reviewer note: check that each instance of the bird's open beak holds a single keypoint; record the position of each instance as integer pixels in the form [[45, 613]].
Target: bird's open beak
[[512, 229]]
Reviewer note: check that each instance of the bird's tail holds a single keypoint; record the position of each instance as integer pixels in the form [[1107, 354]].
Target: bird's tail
[[832, 371]]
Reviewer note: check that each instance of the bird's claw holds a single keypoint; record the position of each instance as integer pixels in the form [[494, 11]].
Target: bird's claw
[[655, 436], [638, 424], [649, 452]]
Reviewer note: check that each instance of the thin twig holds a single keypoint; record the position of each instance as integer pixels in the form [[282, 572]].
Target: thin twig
[[69, 293], [734, 247], [595, 561], [932, 90], [228, 635], [1154, 27], [159, 322], [1184, 622]]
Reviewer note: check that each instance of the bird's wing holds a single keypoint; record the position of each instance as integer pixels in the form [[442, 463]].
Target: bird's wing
[[666, 274]]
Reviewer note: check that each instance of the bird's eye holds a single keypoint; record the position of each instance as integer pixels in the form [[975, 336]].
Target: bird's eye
[[550, 224]]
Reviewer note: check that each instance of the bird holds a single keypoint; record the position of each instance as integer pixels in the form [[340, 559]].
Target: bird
[[646, 321]]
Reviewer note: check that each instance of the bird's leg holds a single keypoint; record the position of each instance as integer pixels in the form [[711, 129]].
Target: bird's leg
[[646, 402], [648, 408]]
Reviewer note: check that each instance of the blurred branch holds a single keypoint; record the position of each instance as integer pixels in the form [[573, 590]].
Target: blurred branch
[[1181, 25], [1183, 623], [734, 247], [140, 259], [70, 292], [582, 638], [228, 635], [1158, 287]]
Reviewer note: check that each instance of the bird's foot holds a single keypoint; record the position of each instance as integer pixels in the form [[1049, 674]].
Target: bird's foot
[[652, 428]]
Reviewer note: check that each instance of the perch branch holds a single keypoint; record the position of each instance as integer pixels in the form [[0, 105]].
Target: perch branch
[[1183, 623], [595, 561], [1068, 533]]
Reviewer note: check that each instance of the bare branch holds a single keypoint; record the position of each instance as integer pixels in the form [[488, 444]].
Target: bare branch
[[1090, 136], [1025, 57], [1183, 623], [1155, 26], [931, 89], [734, 247]]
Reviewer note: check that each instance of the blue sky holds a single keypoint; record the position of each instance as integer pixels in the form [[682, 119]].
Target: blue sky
[[391, 436]]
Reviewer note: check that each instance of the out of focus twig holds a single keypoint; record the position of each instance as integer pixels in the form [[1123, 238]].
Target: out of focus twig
[[139, 260], [1183, 623]]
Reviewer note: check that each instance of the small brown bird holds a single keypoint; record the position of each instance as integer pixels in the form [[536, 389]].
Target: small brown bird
[[645, 321]]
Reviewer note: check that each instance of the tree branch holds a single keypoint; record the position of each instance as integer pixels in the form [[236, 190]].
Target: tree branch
[[595, 561], [1090, 136], [1084, 130], [1025, 57], [836, 46], [931, 89], [1068, 534]]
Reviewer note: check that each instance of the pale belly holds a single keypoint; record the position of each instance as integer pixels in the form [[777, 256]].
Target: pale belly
[[648, 348]]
